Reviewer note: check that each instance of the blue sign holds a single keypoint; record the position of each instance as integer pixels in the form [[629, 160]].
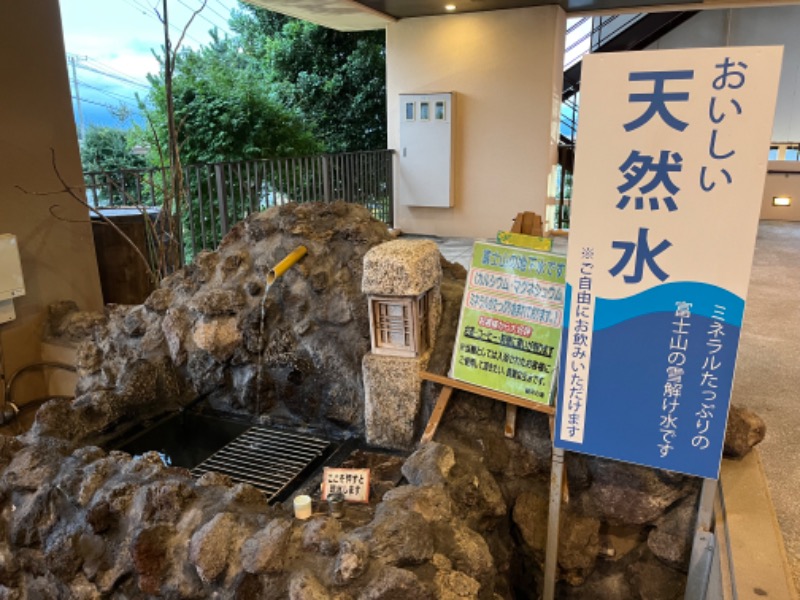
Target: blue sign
[[669, 176]]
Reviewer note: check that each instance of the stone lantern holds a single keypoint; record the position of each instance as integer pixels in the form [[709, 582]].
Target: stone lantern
[[402, 281]]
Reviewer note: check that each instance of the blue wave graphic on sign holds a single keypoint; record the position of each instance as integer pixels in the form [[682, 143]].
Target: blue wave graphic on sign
[[625, 405], [704, 297]]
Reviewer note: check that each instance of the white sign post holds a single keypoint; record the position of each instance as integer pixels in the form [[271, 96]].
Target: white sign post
[[671, 155]]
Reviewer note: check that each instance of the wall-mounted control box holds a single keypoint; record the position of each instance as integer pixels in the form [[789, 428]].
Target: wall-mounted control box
[[12, 284], [425, 165]]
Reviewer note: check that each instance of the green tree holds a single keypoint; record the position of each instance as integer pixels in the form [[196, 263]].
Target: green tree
[[109, 151], [225, 109], [335, 80]]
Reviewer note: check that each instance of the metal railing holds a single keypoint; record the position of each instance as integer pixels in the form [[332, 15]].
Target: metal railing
[[217, 196]]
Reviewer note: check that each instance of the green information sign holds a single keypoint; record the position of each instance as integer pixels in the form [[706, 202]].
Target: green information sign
[[511, 320]]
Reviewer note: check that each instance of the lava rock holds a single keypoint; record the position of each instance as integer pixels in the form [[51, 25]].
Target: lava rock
[[671, 539], [304, 586], [160, 300], [149, 553], [454, 585], [322, 535], [430, 465], [630, 494], [352, 560], [265, 552], [432, 503], [745, 429], [211, 546], [400, 539], [392, 583]]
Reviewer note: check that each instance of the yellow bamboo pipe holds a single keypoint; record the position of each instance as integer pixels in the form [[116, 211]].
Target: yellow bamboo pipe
[[286, 264]]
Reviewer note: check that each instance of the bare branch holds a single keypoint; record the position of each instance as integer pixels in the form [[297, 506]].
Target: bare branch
[[185, 30], [52, 210], [67, 189]]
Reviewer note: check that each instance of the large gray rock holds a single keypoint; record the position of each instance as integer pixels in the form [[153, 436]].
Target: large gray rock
[[429, 465], [399, 539], [671, 539], [468, 553], [395, 584], [624, 493], [322, 535], [213, 546], [655, 581], [304, 586], [744, 430], [352, 560], [432, 503], [265, 552]]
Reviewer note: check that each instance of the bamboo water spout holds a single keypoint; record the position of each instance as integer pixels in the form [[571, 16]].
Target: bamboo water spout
[[286, 264]]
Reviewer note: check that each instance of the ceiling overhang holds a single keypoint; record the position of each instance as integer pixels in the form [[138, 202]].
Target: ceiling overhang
[[343, 15], [353, 15]]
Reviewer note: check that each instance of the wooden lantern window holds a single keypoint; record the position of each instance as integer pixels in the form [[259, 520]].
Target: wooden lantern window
[[399, 324]]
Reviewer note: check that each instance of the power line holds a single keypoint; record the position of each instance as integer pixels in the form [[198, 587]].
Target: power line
[[224, 18], [109, 71], [201, 15], [124, 99], [115, 76], [108, 106], [82, 125], [102, 65]]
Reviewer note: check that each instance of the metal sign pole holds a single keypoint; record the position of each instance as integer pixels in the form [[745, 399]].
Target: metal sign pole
[[704, 544], [553, 520]]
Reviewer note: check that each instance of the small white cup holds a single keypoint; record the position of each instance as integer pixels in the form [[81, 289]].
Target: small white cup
[[302, 507]]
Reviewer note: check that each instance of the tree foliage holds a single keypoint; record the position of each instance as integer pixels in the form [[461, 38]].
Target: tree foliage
[[225, 109], [335, 80], [108, 149]]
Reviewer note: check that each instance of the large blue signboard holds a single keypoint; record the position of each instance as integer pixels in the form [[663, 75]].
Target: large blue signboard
[[669, 174]]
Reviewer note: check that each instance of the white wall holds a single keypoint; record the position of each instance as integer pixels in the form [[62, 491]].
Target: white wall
[[779, 25], [506, 67], [58, 260]]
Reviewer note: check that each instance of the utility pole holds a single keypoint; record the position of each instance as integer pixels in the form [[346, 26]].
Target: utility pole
[[81, 124]]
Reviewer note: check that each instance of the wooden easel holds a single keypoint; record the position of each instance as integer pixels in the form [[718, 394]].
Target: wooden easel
[[448, 385]]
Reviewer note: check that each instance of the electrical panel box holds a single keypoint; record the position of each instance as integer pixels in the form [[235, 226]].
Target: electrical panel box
[[11, 281], [425, 166]]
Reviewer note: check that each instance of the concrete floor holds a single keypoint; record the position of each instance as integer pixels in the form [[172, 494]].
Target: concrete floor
[[767, 376]]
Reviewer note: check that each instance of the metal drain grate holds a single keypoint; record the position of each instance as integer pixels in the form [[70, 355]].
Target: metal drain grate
[[267, 459]]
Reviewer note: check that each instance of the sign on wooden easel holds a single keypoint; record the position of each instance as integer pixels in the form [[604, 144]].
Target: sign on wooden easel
[[511, 320]]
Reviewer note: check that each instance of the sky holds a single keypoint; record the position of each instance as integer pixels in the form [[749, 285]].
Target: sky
[[111, 44]]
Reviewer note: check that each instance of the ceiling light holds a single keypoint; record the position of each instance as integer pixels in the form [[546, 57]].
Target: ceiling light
[[450, 7], [781, 201]]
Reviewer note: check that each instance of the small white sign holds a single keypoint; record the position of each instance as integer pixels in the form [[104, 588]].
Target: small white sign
[[353, 484]]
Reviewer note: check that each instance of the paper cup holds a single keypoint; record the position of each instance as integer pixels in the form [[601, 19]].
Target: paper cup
[[302, 507]]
